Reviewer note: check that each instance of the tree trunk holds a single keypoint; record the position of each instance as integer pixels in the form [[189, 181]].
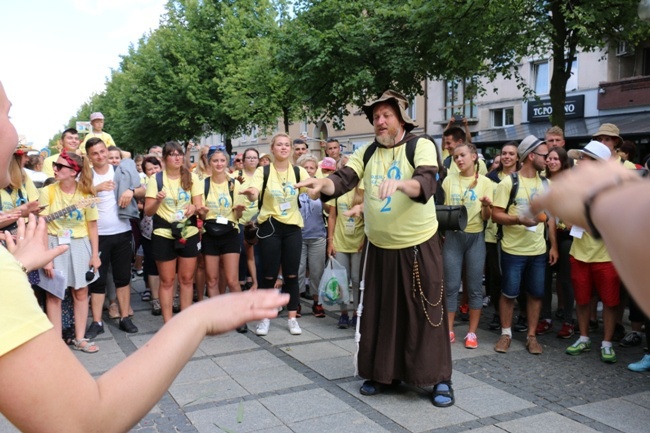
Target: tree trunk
[[558, 79], [285, 118]]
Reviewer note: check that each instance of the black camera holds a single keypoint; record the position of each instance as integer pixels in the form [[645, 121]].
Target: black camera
[[90, 274]]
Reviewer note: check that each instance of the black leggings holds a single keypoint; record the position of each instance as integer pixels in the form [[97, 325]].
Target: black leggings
[[281, 244]]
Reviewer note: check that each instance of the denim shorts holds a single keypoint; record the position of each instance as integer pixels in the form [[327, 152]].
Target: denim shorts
[[523, 271]]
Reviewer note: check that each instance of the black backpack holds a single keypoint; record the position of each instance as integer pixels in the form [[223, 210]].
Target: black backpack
[[267, 172], [439, 196], [511, 199], [231, 182]]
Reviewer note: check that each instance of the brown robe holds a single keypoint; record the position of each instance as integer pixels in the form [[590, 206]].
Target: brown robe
[[398, 342]]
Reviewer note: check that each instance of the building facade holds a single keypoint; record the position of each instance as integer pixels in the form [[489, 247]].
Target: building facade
[[607, 86]]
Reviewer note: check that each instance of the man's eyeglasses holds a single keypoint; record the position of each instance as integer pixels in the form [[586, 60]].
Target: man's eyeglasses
[[543, 155], [238, 160], [58, 166]]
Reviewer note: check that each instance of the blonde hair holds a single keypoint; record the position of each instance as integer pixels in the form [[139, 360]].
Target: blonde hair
[[306, 158], [555, 130], [204, 167], [16, 173], [278, 135]]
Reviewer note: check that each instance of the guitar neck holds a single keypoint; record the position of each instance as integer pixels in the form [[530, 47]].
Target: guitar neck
[[60, 213]]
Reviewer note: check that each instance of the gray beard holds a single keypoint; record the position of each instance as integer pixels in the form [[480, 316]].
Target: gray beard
[[386, 141]]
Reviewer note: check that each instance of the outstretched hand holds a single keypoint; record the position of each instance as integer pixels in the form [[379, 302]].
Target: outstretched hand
[[30, 246], [227, 312], [317, 186], [569, 191]]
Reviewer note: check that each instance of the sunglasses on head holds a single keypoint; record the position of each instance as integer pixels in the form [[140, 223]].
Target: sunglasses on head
[[58, 166]]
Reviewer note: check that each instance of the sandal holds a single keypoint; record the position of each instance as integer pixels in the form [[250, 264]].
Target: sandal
[[85, 345], [443, 395], [146, 295]]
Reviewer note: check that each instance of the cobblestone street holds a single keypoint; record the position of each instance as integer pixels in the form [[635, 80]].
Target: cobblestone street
[[283, 383]]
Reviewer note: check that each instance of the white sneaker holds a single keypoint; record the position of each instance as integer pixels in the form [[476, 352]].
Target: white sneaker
[[262, 328], [294, 328]]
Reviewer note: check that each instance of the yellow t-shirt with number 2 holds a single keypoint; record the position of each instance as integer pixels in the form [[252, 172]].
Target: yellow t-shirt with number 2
[[397, 221]]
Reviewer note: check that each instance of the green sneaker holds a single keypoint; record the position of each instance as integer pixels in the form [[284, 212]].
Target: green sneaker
[[578, 347], [608, 355]]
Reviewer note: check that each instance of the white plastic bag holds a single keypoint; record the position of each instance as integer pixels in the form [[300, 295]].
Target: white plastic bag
[[333, 287]]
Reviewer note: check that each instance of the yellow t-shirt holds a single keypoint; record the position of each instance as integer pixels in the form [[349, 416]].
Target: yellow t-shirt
[[518, 239], [491, 227], [172, 208], [74, 221], [21, 319], [280, 198], [348, 231], [251, 206], [199, 174], [219, 202], [28, 191], [105, 137], [397, 221], [589, 250], [628, 164], [457, 191], [482, 169]]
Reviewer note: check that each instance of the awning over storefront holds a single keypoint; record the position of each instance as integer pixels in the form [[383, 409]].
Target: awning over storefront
[[633, 125]]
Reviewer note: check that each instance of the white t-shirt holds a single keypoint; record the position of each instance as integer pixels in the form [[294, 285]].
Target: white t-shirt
[[109, 223]]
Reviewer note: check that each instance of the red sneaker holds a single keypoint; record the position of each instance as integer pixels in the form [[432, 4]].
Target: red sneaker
[[567, 331], [464, 312], [543, 327], [318, 311], [470, 341]]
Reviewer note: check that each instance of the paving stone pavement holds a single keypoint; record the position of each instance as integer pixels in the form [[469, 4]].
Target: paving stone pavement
[[284, 383]]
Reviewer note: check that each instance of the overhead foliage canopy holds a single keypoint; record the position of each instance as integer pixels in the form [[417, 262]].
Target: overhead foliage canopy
[[228, 66]]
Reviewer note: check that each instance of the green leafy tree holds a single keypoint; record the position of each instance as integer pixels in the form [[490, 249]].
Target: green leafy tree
[[340, 52], [488, 38], [209, 67]]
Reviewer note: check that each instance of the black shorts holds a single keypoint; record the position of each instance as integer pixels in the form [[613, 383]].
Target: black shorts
[[117, 251], [219, 245], [163, 250], [148, 263]]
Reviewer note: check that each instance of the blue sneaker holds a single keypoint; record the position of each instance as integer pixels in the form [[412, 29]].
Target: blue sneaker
[[641, 366], [353, 322], [344, 321]]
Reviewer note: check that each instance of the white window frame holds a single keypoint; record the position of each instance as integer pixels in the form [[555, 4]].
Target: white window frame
[[535, 75], [412, 110], [501, 113]]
